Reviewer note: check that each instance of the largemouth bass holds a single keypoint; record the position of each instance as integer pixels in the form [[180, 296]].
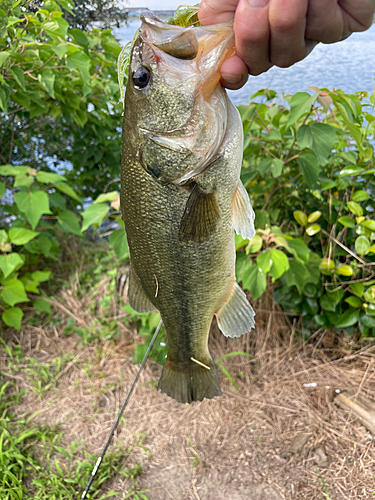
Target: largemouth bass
[[181, 196]]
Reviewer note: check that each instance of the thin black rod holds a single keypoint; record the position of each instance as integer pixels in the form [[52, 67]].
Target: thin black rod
[[98, 462]]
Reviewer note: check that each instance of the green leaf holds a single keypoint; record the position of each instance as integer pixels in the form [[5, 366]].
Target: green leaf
[[300, 217], [361, 195], [296, 275], [40, 245], [33, 205], [280, 263], [18, 75], [42, 305], [49, 177], [3, 100], [30, 284], [112, 196], [10, 263], [369, 224], [23, 180], [65, 4], [362, 244], [41, 276], [67, 221], [354, 208], [95, 214], [239, 241], [276, 167], [254, 280], [336, 295], [313, 229], [47, 79], [298, 248], [347, 221], [300, 104], [21, 236], [3, 236], [264, 261], [13, 317], [64, 188], [314, 216], [357, 288], [81, 61], [327, 304], [310, 169], [53, 29], [351, 170], [326, 266], [349, 318], [2, 189], [60, 50], [14, 292], [344, 270], [119, 243], [319, 137], [354, 302], [255, 244], [11, 171], [3, 57], [367, 321]]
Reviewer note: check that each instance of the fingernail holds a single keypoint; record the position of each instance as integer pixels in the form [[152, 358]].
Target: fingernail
[[231, 78], [257, 3]]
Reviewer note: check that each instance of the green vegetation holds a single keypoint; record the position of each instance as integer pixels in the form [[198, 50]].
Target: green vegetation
[[309, 170]]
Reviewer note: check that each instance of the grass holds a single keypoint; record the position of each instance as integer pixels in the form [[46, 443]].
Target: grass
[[34, 464], [326, 492]]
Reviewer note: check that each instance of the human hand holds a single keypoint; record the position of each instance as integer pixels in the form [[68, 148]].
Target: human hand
[[281, 32]]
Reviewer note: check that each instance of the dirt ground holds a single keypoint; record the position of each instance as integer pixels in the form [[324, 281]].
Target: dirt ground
[[281, 435]]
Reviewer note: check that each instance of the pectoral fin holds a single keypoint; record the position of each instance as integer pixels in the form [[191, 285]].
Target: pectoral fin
[[201, 216], [137, 297], [243, 215], [236, 317]]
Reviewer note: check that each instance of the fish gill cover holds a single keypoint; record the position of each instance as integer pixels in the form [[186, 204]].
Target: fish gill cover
[[186, 15]]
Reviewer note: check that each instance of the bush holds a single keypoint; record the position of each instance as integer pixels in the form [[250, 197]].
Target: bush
[[309, 169]]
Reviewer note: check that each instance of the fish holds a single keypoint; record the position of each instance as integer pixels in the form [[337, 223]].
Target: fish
[[181, 197]]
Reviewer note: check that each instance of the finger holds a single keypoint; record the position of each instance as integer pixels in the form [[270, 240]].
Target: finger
[[359, 13], [216, 11], [234, 73], [251, 29], [325, 21], [287, 20]]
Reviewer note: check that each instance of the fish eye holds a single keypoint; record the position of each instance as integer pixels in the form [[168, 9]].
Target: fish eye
[[141, 77]]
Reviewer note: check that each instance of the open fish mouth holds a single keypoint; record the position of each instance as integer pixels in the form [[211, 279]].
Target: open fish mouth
[[206, 47]]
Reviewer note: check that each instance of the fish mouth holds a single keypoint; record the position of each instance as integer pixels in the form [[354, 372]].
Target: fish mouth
[[203, 49]]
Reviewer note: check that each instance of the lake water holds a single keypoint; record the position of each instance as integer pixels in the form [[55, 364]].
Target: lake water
[[347, 65]]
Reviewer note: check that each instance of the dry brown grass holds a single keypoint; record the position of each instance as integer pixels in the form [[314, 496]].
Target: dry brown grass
[[270, 439]]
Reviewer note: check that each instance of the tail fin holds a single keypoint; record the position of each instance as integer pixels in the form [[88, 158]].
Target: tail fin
[[190, 381]]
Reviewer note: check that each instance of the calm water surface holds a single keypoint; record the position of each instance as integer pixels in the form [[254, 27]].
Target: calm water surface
[[348, 65]]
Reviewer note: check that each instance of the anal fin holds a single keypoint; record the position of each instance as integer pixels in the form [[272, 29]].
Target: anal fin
[[137, 297], [243, 214], [236, 317], [201, 216]]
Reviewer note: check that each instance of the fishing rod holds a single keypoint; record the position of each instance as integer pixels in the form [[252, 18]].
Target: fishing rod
[[98, 462]]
